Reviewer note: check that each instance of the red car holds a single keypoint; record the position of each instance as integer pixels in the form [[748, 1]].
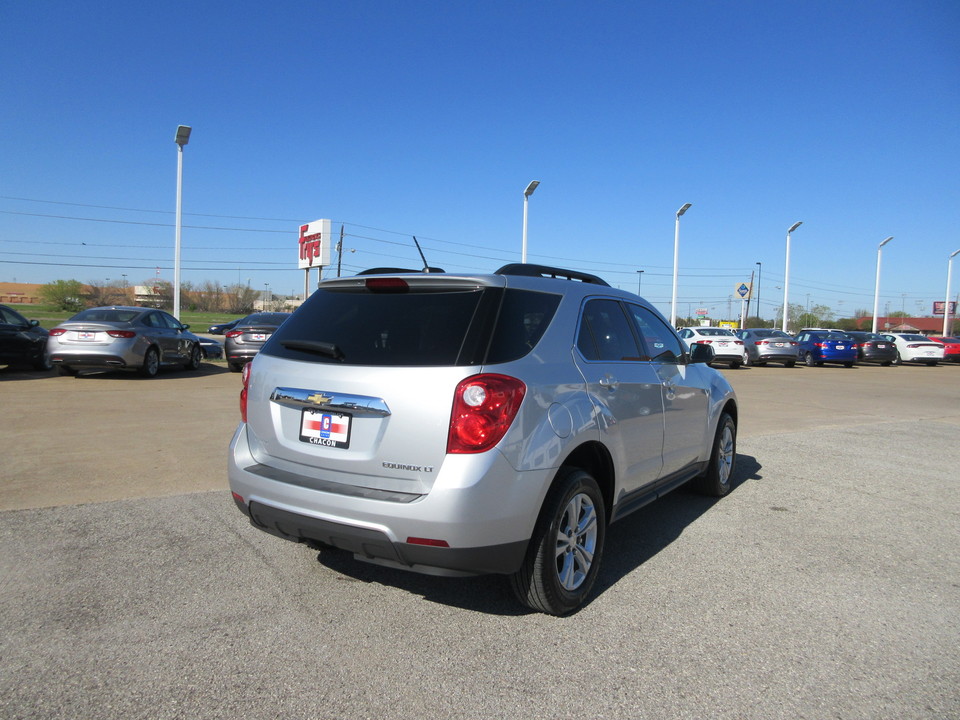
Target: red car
[[951, 347]]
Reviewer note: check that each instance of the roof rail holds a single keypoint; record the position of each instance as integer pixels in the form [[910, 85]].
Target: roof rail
[[530, 270], [395, 271]]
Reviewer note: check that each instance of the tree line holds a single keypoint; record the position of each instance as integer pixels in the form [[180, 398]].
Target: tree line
[[209, 296]]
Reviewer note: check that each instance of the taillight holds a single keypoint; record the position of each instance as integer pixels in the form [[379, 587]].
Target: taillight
[[484, 406], [820, 345], [738, 342], [121, 333], [56, 332], [245, 377], [233, 333], [702, 342], [759, 342]]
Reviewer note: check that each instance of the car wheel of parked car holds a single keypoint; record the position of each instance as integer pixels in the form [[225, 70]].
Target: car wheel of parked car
[[848, 364], [888, 363], [716, 480], [808, 359], [734, 364], [195, 356], [43, 363], [151, 363], [932, 364], [66, 370], [564, 555], [790, 363], [236, 367]]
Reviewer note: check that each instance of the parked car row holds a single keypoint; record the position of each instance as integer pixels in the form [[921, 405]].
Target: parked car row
[[819, 346]]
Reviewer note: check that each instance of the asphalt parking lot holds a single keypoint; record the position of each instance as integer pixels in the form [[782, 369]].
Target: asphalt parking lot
[[826, 585]]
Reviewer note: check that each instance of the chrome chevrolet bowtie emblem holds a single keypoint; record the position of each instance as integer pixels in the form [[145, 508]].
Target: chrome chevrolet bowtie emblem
[[319, 399]]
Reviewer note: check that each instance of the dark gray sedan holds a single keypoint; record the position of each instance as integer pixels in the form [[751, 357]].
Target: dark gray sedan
[[763, 345], [872, 347], [246, 338]]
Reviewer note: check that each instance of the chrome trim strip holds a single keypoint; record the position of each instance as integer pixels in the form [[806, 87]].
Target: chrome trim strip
[[360, 405]]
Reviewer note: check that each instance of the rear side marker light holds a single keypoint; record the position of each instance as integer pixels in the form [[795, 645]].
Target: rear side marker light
[[427, 541]]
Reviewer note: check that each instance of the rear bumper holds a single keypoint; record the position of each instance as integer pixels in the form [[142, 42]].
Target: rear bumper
[[376, 545], [88, 360], [479, 506]]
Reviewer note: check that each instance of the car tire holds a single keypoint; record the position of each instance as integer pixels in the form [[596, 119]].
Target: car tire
[[235, 367], [848, 364], [43, 363], [761, 363], [151, 363], [790, 363], [734, 364], [66, 370], [196, 355], [715, 481], [888, 363], [898, 360], [808, 359], [932, 364], [563, 558]]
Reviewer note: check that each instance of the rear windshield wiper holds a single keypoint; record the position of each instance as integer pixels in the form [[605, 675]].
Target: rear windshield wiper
[[315, 346]]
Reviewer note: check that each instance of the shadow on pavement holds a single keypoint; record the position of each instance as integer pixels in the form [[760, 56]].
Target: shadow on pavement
[[630, 543]]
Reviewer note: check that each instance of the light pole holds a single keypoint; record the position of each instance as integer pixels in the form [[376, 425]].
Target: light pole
[[676, 262], [786, 277], [266, 295], [640, 281], [182, 138], [946, 303], [526, 201], [759, 268], [876, 291]]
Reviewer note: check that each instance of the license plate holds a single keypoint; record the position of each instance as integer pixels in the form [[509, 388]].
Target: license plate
[[778, 344], [881, 347], [82, 335], [318, 427], [841, 347], [723, 343], [260, 337]]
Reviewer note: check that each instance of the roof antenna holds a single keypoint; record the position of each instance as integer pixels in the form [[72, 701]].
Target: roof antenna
[[426, 267]]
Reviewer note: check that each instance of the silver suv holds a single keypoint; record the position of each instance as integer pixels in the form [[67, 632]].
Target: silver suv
[[468, 424]]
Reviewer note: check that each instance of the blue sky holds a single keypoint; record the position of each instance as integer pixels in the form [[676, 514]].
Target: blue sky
[[429, 118]]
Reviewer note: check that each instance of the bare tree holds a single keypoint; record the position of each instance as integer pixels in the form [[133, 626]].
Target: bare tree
[[240, 299], [99, 293]]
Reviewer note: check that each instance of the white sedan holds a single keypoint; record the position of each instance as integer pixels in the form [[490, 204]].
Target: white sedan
[[915, 348], [727, 347]]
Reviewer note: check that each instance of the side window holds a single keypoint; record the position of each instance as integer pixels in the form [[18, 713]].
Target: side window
[[605, 334], [661, 342], [170, 321], [152, 320]]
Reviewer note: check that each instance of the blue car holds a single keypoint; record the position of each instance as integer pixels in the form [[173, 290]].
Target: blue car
[[824, 346]]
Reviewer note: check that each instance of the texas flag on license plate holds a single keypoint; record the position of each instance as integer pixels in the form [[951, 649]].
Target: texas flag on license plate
[[325, 428]]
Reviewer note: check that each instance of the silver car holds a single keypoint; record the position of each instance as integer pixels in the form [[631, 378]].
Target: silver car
[[763, 345], [133, 338], [469, 424]]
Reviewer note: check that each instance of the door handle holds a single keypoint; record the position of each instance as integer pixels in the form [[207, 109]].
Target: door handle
[[609, 382]]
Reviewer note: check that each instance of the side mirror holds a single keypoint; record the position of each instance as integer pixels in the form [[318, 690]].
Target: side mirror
[[701, 353], [184, 326], [33, 323]]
